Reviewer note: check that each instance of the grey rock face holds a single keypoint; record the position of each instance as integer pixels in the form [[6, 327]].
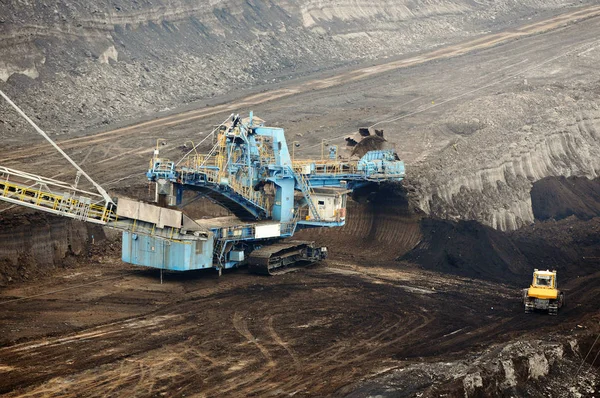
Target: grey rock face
[[81, 64], [494, 185]]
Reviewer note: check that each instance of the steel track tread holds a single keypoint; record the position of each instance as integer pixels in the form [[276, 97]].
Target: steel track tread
[[259, 259]]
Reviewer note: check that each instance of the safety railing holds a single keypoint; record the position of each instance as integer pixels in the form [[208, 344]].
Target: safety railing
[[200, 160], [68, 204], [288, 228], [308, 192], [248, 192], [325, 167], [214, 176], [243, 231]]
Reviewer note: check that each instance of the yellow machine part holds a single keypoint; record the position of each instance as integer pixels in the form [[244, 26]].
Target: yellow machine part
[[542, 293]]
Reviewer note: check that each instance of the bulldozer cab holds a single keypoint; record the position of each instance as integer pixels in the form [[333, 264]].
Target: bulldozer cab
[[544, 279]]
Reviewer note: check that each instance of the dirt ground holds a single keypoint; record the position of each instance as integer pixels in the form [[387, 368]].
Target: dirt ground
[[384, 321], [353, 324], [108, 330], [528, 90]]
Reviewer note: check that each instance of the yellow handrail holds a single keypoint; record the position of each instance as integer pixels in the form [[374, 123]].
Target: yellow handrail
[[43, 199]]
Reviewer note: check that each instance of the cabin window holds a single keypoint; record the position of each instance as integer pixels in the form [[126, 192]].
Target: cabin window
[[543, 280]]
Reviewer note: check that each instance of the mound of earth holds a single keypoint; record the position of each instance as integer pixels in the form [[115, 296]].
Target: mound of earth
[[571, 246], [561, 197], [468, 248]]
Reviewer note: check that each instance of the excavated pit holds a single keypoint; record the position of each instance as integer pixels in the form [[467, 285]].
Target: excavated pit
[[356, 324], [380, 225], [392, 270], [421, 293], [565, 237]]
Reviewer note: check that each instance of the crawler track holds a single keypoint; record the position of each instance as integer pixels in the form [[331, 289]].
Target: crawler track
[[274, 259]]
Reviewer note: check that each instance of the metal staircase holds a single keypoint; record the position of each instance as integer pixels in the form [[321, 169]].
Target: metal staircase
[[218, 251], [307, 191]]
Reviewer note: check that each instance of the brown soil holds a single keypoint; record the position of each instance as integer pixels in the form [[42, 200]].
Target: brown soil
[[108, 329], [34, 245], [310, 332]]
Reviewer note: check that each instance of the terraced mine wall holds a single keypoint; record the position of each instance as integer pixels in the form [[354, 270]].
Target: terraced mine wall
[[565, 237], [80, 64], [515, 140]]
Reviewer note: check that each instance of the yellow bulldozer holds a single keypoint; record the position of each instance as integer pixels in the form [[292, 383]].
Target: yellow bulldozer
[[543, 294]]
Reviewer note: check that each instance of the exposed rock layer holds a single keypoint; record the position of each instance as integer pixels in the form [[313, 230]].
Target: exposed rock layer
[[526, 136], [82, 64], [524, 368], [33, 244]]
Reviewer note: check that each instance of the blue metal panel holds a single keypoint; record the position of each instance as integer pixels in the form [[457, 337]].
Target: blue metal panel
[[162, 169], [155, 252], [283, 209], [310, 224], [280, 148]]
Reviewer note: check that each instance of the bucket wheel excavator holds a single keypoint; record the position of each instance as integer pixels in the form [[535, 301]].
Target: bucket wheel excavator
[[249, 171]]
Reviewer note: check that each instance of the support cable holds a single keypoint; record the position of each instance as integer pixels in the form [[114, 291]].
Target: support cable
[[205, 138], [101, 190]]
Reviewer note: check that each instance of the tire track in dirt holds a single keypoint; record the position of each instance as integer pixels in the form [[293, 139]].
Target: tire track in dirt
[[240, 324], [341, 358], [347, 326], [279, 341]]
